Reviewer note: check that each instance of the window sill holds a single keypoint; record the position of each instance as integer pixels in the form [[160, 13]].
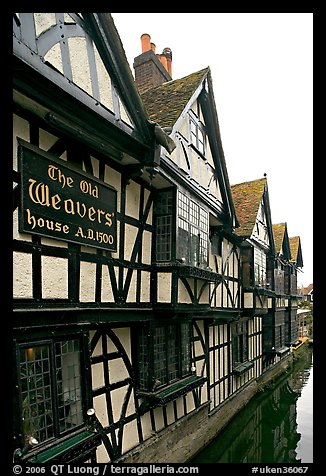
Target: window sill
[[72, 449], [171, 392], [242, 368]]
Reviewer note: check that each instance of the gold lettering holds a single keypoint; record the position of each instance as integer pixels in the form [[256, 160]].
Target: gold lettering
[[99, 213], [30, 218], [91, 213], [55, 200], [71, 208], [55, 174], [39, 194], [83, 186], [65, 229], [80, 232], [108, 219], [86, 187], [50, 225], [80, 206]]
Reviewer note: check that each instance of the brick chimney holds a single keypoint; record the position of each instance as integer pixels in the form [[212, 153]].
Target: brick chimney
[[152, 69]]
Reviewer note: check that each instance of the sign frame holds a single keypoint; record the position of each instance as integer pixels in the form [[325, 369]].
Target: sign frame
[[63, 202]]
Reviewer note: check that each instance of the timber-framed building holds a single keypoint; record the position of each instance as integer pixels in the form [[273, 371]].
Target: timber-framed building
[[140, 288]]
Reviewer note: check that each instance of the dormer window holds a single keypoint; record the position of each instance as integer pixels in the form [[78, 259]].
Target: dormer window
[[197, 134]]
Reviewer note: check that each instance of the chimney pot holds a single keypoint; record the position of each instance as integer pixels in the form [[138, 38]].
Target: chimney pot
[[153, 47], [145, 42], [168, 54], [163, 60]]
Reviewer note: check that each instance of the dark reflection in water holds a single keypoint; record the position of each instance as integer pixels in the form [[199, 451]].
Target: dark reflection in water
[[274, 427]]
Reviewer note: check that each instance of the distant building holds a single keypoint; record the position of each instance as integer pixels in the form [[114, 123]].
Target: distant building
[[307, 293]]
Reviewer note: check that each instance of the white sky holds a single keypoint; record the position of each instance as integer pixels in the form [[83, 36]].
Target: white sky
[[262, 70]]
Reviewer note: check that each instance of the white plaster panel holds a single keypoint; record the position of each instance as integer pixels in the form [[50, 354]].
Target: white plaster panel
[[147, 247], [79, 63], [104, 82], [54, 277], [130, 238], [158, 415], [146, 425], [180, 407], [98, 347], [183, 295], [117, 397], [190, 402], [149, 220], [118, 370], [131, 297], [22, 275], [53, 56], [87, 281], [43, 21], [145, 286], [204, 298], [97, 375], [16, 234], [53, 242], [132, 200], [248, 300], [100, 409], [164, 283], [95, 166], [130, 436], [170, 413], [102, 455], [106, 291], [123, 335]]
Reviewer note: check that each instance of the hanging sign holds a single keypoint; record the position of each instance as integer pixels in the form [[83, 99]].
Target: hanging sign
[[63, 202]]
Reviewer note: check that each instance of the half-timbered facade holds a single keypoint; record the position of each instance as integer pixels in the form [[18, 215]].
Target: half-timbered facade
[[257, 249], [294, 267], [136, 305], [83, 233]]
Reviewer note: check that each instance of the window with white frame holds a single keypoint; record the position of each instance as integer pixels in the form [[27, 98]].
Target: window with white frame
[[197, 134], [192, 232], [260, 267]]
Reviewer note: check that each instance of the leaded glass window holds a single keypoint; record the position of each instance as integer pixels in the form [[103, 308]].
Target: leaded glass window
[[192, 232], [240, 343], [163, 354], [260, 267], [50, 388], [163, 222]]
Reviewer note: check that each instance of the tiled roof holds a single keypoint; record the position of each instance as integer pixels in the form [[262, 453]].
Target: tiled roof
[[165, 103], [247, 197], [278, 232], [294, 247]]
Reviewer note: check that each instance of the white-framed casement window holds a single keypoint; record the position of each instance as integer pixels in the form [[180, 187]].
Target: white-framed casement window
[[197, 134], [189, 221], [193, 227], [260, 267]]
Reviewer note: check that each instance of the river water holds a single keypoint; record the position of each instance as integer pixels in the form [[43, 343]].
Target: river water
[[276, 426]]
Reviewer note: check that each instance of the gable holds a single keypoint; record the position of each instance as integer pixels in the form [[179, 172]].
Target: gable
[[247, 197], [186, 109], [281, 240], [260, 231], [296, 252], [82, 55]]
